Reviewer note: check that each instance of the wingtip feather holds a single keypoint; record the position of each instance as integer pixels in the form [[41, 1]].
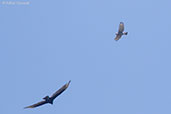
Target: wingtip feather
[[28, 107], [69, 81]]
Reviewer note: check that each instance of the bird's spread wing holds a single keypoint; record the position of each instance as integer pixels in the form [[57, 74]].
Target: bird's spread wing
[[121, 27], [37, 104], [62, 89], [117, 37]]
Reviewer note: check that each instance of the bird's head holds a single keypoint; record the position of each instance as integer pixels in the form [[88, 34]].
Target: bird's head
[[45, 98]]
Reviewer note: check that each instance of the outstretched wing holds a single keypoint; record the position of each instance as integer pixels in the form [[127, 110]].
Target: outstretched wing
[[118, 37], [62, 89], [121, 27], [37, 104]]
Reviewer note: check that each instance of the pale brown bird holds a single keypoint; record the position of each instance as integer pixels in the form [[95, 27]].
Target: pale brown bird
[[48, 99], [120, 31]]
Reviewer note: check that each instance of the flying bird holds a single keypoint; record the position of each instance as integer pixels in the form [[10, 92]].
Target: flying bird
[[120, 31], [48, 99]]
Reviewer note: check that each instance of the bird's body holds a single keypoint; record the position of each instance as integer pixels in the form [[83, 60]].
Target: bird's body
[[120, 31], [48, 99]]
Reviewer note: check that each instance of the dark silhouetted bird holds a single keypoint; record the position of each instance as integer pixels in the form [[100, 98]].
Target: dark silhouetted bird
[[48, 99], [120, 31]]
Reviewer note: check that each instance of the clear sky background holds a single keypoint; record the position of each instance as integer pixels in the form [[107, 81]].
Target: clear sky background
[[45, 44]]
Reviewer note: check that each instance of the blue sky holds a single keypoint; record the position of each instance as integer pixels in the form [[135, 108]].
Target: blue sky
[[45, 44]]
